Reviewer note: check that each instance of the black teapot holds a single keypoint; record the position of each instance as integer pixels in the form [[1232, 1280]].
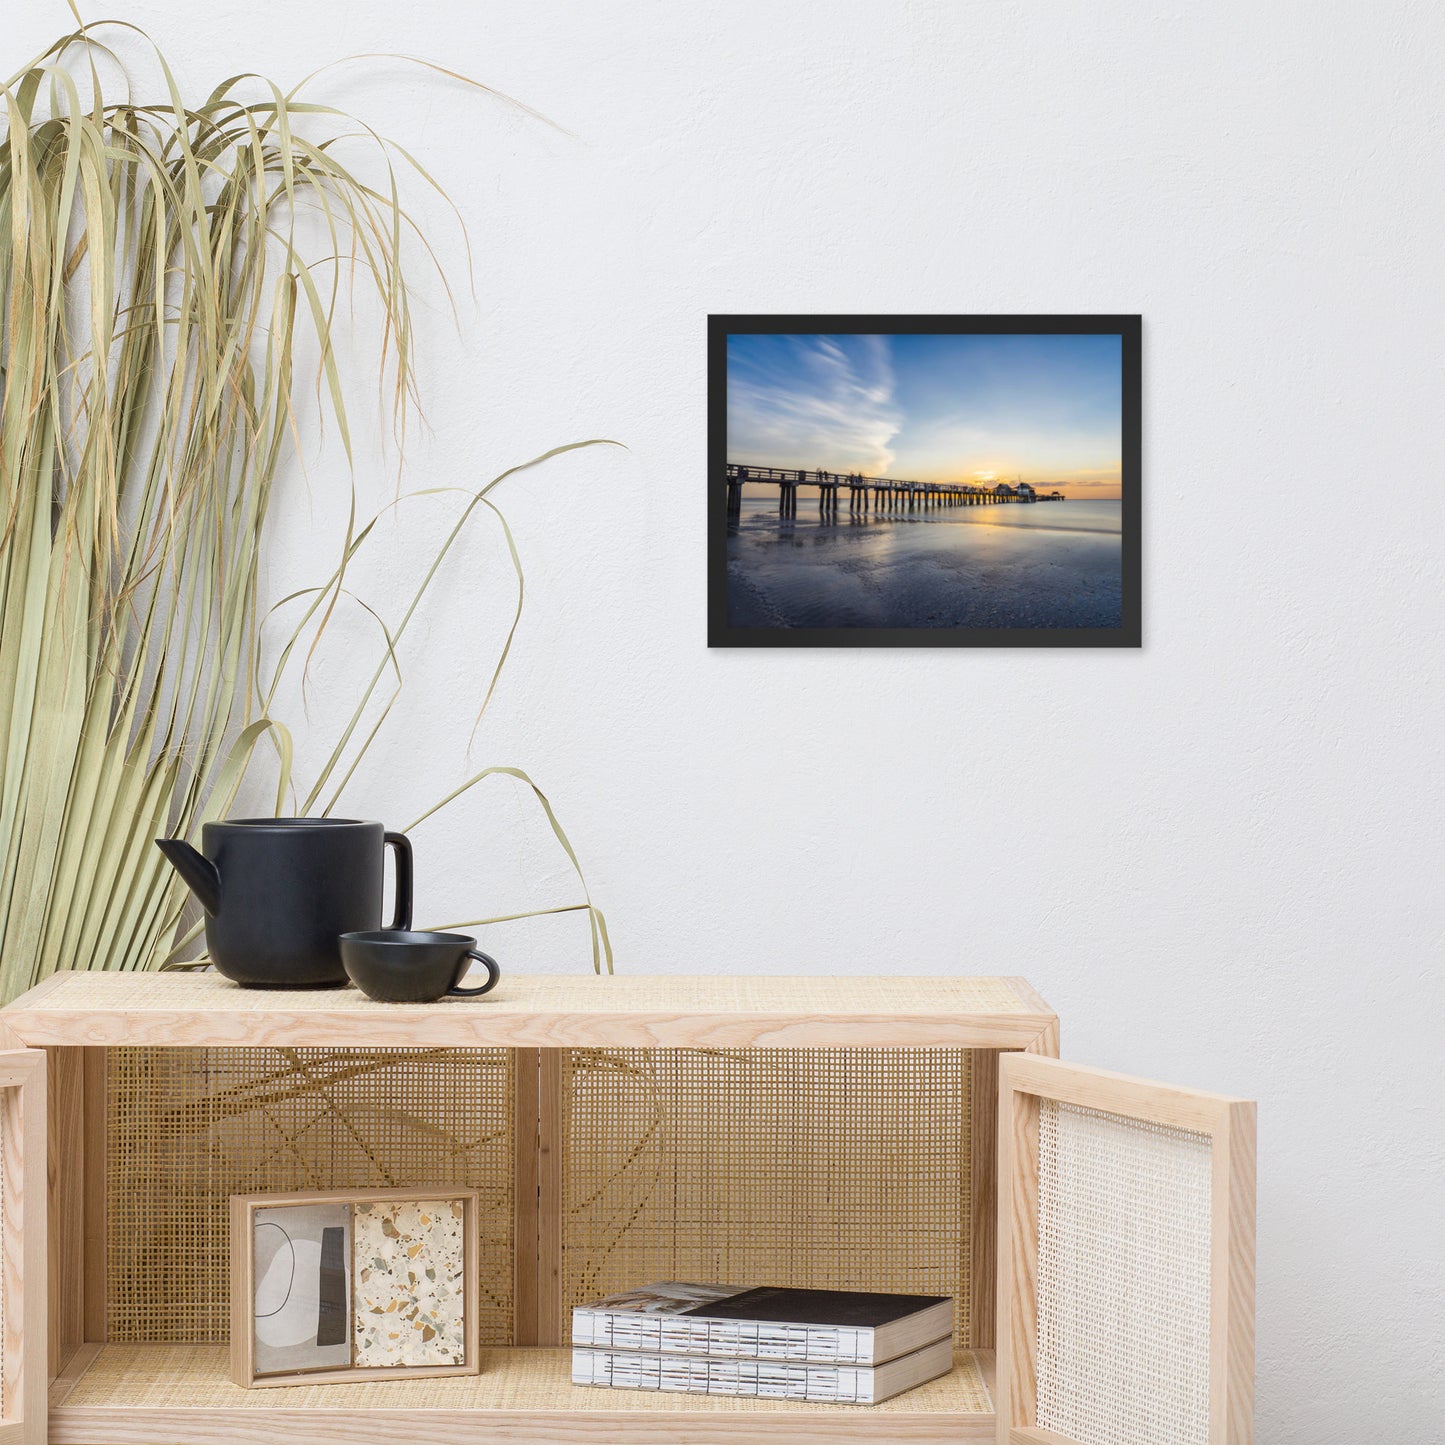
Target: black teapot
[[278, 892]]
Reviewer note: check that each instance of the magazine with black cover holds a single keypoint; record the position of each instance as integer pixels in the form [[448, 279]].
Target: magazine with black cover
[[766, 1379], [765, 1322]]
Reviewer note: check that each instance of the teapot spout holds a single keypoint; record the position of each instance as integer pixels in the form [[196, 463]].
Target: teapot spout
[[199, 873]]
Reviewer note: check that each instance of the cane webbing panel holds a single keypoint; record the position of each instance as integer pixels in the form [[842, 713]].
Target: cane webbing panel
[[1123, 1279], [138, 1377], [187, 1128], [825, 1168]]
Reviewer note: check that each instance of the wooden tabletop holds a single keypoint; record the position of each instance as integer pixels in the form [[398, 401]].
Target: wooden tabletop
[[539, 1011]]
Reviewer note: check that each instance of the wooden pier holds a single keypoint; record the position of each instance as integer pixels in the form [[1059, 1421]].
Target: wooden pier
[[871, 496]]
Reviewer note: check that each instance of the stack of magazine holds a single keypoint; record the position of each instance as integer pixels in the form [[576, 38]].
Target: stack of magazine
[[827, 1346]]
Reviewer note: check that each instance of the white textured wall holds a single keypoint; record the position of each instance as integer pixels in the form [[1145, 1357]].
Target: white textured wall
[[1220, 858]]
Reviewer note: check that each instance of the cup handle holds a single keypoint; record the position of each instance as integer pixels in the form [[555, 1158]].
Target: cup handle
[[494, 972]]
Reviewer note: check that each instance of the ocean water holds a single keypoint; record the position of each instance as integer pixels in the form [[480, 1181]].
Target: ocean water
[[1045, 564]]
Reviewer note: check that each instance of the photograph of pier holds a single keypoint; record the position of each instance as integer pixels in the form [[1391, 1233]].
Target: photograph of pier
[[962, 481]]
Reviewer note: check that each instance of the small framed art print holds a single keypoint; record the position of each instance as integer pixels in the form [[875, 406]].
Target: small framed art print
[[357, 1285], [924, 481]]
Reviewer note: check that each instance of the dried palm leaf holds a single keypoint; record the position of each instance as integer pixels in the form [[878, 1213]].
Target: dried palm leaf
[[156, 292]]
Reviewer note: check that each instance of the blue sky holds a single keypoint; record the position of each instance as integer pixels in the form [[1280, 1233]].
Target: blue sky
[[931, 408]]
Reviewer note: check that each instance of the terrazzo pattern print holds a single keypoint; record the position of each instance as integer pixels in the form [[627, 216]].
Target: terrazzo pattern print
[[409, 1290]]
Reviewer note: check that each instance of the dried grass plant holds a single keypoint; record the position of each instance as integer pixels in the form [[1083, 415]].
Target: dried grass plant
[[156, 294]]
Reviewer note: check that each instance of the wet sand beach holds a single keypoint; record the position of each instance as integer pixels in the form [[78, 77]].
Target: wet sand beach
[[1054, 564]]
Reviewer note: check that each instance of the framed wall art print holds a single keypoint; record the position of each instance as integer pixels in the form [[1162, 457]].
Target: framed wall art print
[[964, 481], [360, 1285]]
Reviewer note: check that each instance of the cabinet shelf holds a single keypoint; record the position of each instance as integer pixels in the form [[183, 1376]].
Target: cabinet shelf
[[164, 1010], [181, 1395]]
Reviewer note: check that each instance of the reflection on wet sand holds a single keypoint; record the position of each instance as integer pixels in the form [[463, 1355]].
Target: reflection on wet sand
[[1021, 567]]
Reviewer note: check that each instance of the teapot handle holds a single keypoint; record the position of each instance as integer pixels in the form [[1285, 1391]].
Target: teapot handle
[[402, 844]]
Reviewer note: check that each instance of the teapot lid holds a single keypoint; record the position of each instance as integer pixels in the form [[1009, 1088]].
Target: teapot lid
[[288, 823]]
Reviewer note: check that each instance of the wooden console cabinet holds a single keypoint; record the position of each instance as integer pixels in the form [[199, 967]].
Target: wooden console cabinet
[[836, 1131]]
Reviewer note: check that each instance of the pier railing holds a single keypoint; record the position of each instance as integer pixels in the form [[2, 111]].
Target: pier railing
[[881, 496]]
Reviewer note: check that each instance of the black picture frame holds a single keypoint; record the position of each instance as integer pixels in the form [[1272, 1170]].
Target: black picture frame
[[1127, 634]]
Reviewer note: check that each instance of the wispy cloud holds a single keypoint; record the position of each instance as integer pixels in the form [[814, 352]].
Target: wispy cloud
[[812, 401]]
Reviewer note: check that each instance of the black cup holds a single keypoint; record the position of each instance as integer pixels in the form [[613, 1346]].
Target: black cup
[[393, 965]]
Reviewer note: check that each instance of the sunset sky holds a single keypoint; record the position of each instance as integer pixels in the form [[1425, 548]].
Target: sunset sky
[[931, 408]]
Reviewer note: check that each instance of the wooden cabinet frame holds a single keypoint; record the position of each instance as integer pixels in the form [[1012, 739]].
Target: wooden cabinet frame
[[24, 1256]]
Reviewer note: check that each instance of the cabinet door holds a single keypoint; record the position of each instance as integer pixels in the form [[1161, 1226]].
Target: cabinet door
[[23, 1260], [1126, 1260]]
